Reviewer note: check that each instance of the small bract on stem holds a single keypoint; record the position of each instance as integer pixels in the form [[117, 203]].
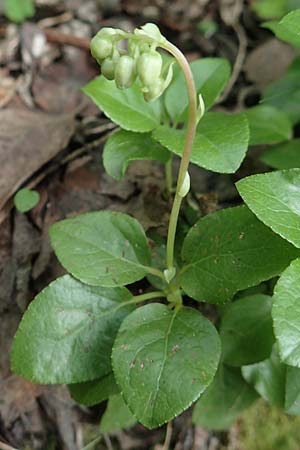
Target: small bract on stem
[[143, 60]]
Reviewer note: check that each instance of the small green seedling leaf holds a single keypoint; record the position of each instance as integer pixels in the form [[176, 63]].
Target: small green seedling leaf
[[93, 392], [18, 10], [275, 199], [224, 400], [163, 360], [268, 125], [127, 107], [102, 248], [228, 251], [124, 147], [220, 144], [210, 75], [246, 331], [283, 156], [67, 333], [26, 199], [286, 314], [268, 378], [117, 416]]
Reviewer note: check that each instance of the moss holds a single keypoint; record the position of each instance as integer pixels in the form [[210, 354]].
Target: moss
[[263, 427]]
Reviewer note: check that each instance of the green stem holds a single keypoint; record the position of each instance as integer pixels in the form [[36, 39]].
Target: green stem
[[147, 296], [169, 180], [190, 134]]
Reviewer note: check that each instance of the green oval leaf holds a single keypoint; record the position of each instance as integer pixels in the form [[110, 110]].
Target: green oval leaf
[[163, 360], [125, 107], [220, 144], [284, 94], [292, 391], [224, 400], [282, 32], [228, 251], [283, 156], [26, 199], [268, 378], [67, 332], [124, 147], [102, 248], [246, 331], [268, 125], [286, 314], [210, 76], [291, 23], [275, 199], [117, 416], [93, 392]]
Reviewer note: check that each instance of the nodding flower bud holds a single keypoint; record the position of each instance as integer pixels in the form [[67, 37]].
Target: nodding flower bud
[[108, 68], [101, 47], [125, 72], [149, 66], [153, 91]]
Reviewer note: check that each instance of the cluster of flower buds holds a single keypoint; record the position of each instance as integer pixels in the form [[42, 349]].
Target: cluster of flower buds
[[141, 61]]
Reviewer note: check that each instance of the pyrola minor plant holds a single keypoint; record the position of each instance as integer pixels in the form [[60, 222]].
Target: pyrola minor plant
[[156, 359]]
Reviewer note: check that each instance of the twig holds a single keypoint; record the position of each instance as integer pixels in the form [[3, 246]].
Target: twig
[[6, 447], [167, 442], [57, 20], [239, 61], [108, 442], [56, 37]]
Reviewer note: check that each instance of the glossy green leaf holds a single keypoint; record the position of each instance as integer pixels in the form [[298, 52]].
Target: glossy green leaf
[[210, 75], [67, 333], [286, 314], [291, 22], [292, 391], [163, 360], [26, 199], [224, 400], [124, 147], [268, 378], [102, 248], [125, 107], [18, 10], [275, 199], [93, 392], [246, 330], [228, 251], [283, 156], [117, 416], [220, 144], [268, 125], [284, 95], [282, 33]]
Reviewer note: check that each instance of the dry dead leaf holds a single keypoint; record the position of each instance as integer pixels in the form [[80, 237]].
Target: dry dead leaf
[[29, 139], [268, 62]]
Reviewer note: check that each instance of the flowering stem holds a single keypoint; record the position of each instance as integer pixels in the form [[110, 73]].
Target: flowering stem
[[169, 181], [190, 134]]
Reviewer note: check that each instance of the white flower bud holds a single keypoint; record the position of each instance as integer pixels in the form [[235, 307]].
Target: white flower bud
[[149, 66], [125, 72]]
